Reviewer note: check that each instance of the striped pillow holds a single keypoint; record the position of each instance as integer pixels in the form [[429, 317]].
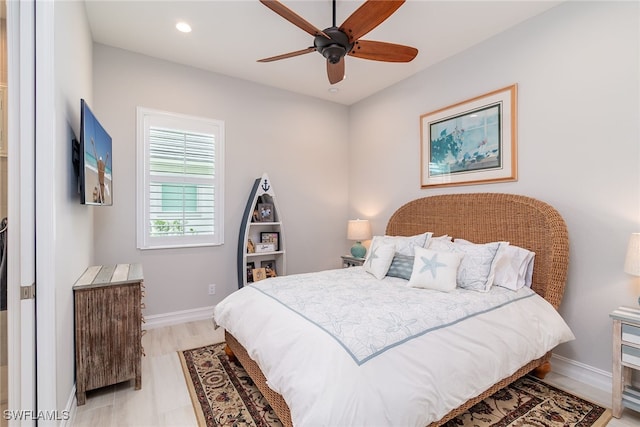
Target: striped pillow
[[401, 266]]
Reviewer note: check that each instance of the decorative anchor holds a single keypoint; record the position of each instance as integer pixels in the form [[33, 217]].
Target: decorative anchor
[[265, 185]]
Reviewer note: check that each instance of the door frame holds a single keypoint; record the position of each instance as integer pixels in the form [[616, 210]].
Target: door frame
[[45, 213], [21, 210]]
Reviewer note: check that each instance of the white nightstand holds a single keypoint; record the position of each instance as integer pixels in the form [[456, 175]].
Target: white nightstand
[[626, 358], [350, 261]]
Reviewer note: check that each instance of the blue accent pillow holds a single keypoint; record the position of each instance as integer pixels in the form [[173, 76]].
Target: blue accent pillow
[[401, 266]]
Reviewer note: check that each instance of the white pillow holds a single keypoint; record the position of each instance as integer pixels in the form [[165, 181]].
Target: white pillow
[[439, 243], [405, 244], [435, 270], [379, 257], [514, 268], [478, 267]]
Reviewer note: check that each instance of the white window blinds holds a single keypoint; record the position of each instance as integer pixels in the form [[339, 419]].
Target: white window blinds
[[181, 180]]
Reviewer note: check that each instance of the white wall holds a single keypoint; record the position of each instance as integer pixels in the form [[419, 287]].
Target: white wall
[[73, 241], [299, 141], [577, 70]]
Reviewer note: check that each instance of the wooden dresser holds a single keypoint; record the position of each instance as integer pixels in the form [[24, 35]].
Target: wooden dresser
[[108, 324]]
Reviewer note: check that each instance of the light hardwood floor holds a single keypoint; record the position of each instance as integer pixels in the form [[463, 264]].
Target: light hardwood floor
[[164, 399]]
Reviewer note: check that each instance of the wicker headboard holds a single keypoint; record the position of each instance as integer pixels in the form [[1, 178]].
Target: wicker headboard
[[489, 217]]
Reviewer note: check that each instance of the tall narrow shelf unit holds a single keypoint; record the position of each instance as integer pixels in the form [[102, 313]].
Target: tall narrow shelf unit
[[261, 219]]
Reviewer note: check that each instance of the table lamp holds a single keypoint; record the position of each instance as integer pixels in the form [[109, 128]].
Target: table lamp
[[358, 230], [632, 261]]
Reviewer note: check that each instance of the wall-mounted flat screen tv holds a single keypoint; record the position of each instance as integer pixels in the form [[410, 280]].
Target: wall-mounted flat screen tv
[[95, 160]]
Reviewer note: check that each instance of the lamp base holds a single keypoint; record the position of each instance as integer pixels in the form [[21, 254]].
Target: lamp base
[[358, 250]]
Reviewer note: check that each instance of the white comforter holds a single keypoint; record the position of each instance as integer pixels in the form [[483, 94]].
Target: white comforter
[[384, 358]]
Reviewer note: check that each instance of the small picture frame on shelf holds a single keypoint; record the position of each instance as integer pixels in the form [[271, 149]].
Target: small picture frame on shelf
[[265, 247], [265, 212], [250, 267], [271, 237], [259, 274], [269, 267]]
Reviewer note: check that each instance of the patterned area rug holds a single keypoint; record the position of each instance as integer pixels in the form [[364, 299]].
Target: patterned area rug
[[224, 395]]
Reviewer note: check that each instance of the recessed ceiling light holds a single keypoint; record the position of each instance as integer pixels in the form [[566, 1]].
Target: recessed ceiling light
[[333, 90], [183, 27]]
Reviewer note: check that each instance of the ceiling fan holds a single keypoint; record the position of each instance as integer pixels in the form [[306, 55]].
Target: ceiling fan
[[334, 43]]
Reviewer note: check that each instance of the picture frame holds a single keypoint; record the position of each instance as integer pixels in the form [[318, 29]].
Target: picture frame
[[471, 142], [265, 247], [265, 212], [259, 274], [250, 266], [271, 237], [269, 267]]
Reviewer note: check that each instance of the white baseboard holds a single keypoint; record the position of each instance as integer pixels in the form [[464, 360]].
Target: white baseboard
[[585, 373], [177, 317], [581, 372]]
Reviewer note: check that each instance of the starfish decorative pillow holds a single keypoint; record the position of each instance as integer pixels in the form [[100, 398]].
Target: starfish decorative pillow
[[435, 270], [379, 258]]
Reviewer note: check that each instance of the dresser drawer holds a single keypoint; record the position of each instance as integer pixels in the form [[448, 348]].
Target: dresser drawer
[[631, 355], [631, 333]]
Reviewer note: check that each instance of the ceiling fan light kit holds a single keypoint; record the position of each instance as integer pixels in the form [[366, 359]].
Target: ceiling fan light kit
[[334, 43]]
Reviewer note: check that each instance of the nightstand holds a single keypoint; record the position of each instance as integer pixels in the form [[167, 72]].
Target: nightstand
[[626, 358], [350, 261]]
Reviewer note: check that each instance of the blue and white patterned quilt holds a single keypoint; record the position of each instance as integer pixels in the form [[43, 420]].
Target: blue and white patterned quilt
[[367, 316]]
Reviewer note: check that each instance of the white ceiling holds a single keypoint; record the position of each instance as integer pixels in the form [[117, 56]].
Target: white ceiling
[[229, 36]]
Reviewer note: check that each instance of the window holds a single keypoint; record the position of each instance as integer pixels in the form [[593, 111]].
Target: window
[[179, 181]]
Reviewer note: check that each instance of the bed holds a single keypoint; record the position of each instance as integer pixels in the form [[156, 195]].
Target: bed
[[312, 377]]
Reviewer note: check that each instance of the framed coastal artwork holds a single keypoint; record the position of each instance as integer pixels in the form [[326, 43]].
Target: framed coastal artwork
[[471, 142]]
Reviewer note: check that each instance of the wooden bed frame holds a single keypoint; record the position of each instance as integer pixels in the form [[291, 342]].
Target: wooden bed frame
[[480, 218]]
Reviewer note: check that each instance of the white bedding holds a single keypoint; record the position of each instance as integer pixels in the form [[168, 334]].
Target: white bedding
[[408, 374]]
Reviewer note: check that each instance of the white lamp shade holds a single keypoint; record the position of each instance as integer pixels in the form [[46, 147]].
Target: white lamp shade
[[632, 261], [358, 229]]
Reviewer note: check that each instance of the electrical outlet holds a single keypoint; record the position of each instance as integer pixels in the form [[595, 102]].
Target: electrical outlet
[[212, 289]]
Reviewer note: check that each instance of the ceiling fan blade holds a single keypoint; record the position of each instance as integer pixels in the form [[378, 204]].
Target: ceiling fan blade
[[288, 55], [335, 72], [383, 51], [293, 17], [368, 16]]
